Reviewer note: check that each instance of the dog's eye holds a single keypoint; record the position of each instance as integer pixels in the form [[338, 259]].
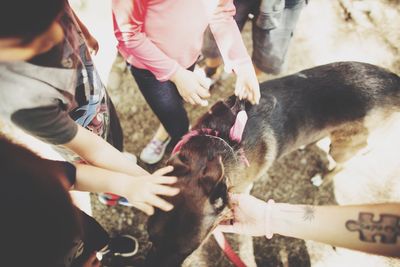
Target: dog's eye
[[183, 158]]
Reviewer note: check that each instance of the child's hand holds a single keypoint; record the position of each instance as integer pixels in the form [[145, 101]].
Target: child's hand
[[250, 216], [191, 87], [247, 86], [92, 44], [142, 191]]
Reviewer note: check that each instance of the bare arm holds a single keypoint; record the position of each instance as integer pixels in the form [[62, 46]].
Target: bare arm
[[371, 228], [99, 153], [114, 173], [141, 191], [234, 52]]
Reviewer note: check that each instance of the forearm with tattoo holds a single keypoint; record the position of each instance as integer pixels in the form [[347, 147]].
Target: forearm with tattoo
[[385, 230]]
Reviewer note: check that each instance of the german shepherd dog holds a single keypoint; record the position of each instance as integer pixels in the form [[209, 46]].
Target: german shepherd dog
[[340, 100]]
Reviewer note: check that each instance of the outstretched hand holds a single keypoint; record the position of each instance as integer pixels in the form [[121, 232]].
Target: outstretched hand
[[192, 87], [143, 192], [250, 216], [92, 44], [247, 86]]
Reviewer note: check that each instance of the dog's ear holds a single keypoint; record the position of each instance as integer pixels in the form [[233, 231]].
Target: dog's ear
[[213, 186], [180, 165], [216, 118], [238, 105], [212, 174]]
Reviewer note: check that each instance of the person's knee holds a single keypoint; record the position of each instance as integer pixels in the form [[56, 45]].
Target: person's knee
[[271, 64]]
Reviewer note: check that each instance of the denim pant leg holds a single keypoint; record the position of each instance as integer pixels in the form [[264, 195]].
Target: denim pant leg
[[165, 101], [270, 46]]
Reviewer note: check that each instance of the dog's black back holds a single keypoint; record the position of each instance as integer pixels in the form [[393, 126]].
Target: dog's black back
[[303, 106]]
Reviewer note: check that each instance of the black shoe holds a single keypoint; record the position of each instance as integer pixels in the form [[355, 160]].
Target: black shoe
[[123, 246]]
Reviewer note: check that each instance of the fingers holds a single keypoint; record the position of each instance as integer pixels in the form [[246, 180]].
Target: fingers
[[239, 89], [200, 93], [245, 92], [234, 198], [257, 94], [191, 101], [146, 208], [253, 90], [191, 87], [204, 83], [96, 48], [164, 179], [165, 190], [197, 100], [203, 92], [164, 170], [159, 203]]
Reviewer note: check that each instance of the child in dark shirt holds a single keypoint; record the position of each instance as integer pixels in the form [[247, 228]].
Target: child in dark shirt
[[39, 224]]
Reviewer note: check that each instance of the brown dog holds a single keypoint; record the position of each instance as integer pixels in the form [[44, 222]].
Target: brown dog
[[337, 100]]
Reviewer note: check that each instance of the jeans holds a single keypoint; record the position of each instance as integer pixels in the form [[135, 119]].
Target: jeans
[[270, 46], [165, 101]]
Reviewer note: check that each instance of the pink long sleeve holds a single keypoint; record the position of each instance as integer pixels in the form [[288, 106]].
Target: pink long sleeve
[[133, 43], [161, 35], [228, 37]]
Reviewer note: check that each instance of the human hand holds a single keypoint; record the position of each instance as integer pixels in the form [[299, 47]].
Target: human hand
[[247, 86], [252, 216], [192, 87], [92, 44], [92, 261], [142, 191]]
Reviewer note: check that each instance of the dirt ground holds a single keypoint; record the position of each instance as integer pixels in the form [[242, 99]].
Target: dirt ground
[[328, 30]]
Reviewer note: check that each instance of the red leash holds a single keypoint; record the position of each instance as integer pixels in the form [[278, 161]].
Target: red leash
[[227, 249]]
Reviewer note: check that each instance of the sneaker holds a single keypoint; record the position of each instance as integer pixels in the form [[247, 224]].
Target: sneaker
[[154, 151], [122, 245], [112, 200]]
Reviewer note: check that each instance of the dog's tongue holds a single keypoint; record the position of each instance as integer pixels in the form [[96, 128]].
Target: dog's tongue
[[237, 129]]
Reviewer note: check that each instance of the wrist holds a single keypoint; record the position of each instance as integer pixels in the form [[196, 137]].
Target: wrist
[[268, 215], [243, 64], [285, 217], [119, 184], [176, 74]]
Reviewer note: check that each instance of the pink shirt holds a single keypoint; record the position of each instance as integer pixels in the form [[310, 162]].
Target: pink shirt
[[160, 35]]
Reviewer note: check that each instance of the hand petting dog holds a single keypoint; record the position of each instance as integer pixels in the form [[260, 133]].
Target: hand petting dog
[[247, 86]]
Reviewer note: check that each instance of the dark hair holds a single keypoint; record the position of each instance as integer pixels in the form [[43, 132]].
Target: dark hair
[[28, 18], [38, 220]]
